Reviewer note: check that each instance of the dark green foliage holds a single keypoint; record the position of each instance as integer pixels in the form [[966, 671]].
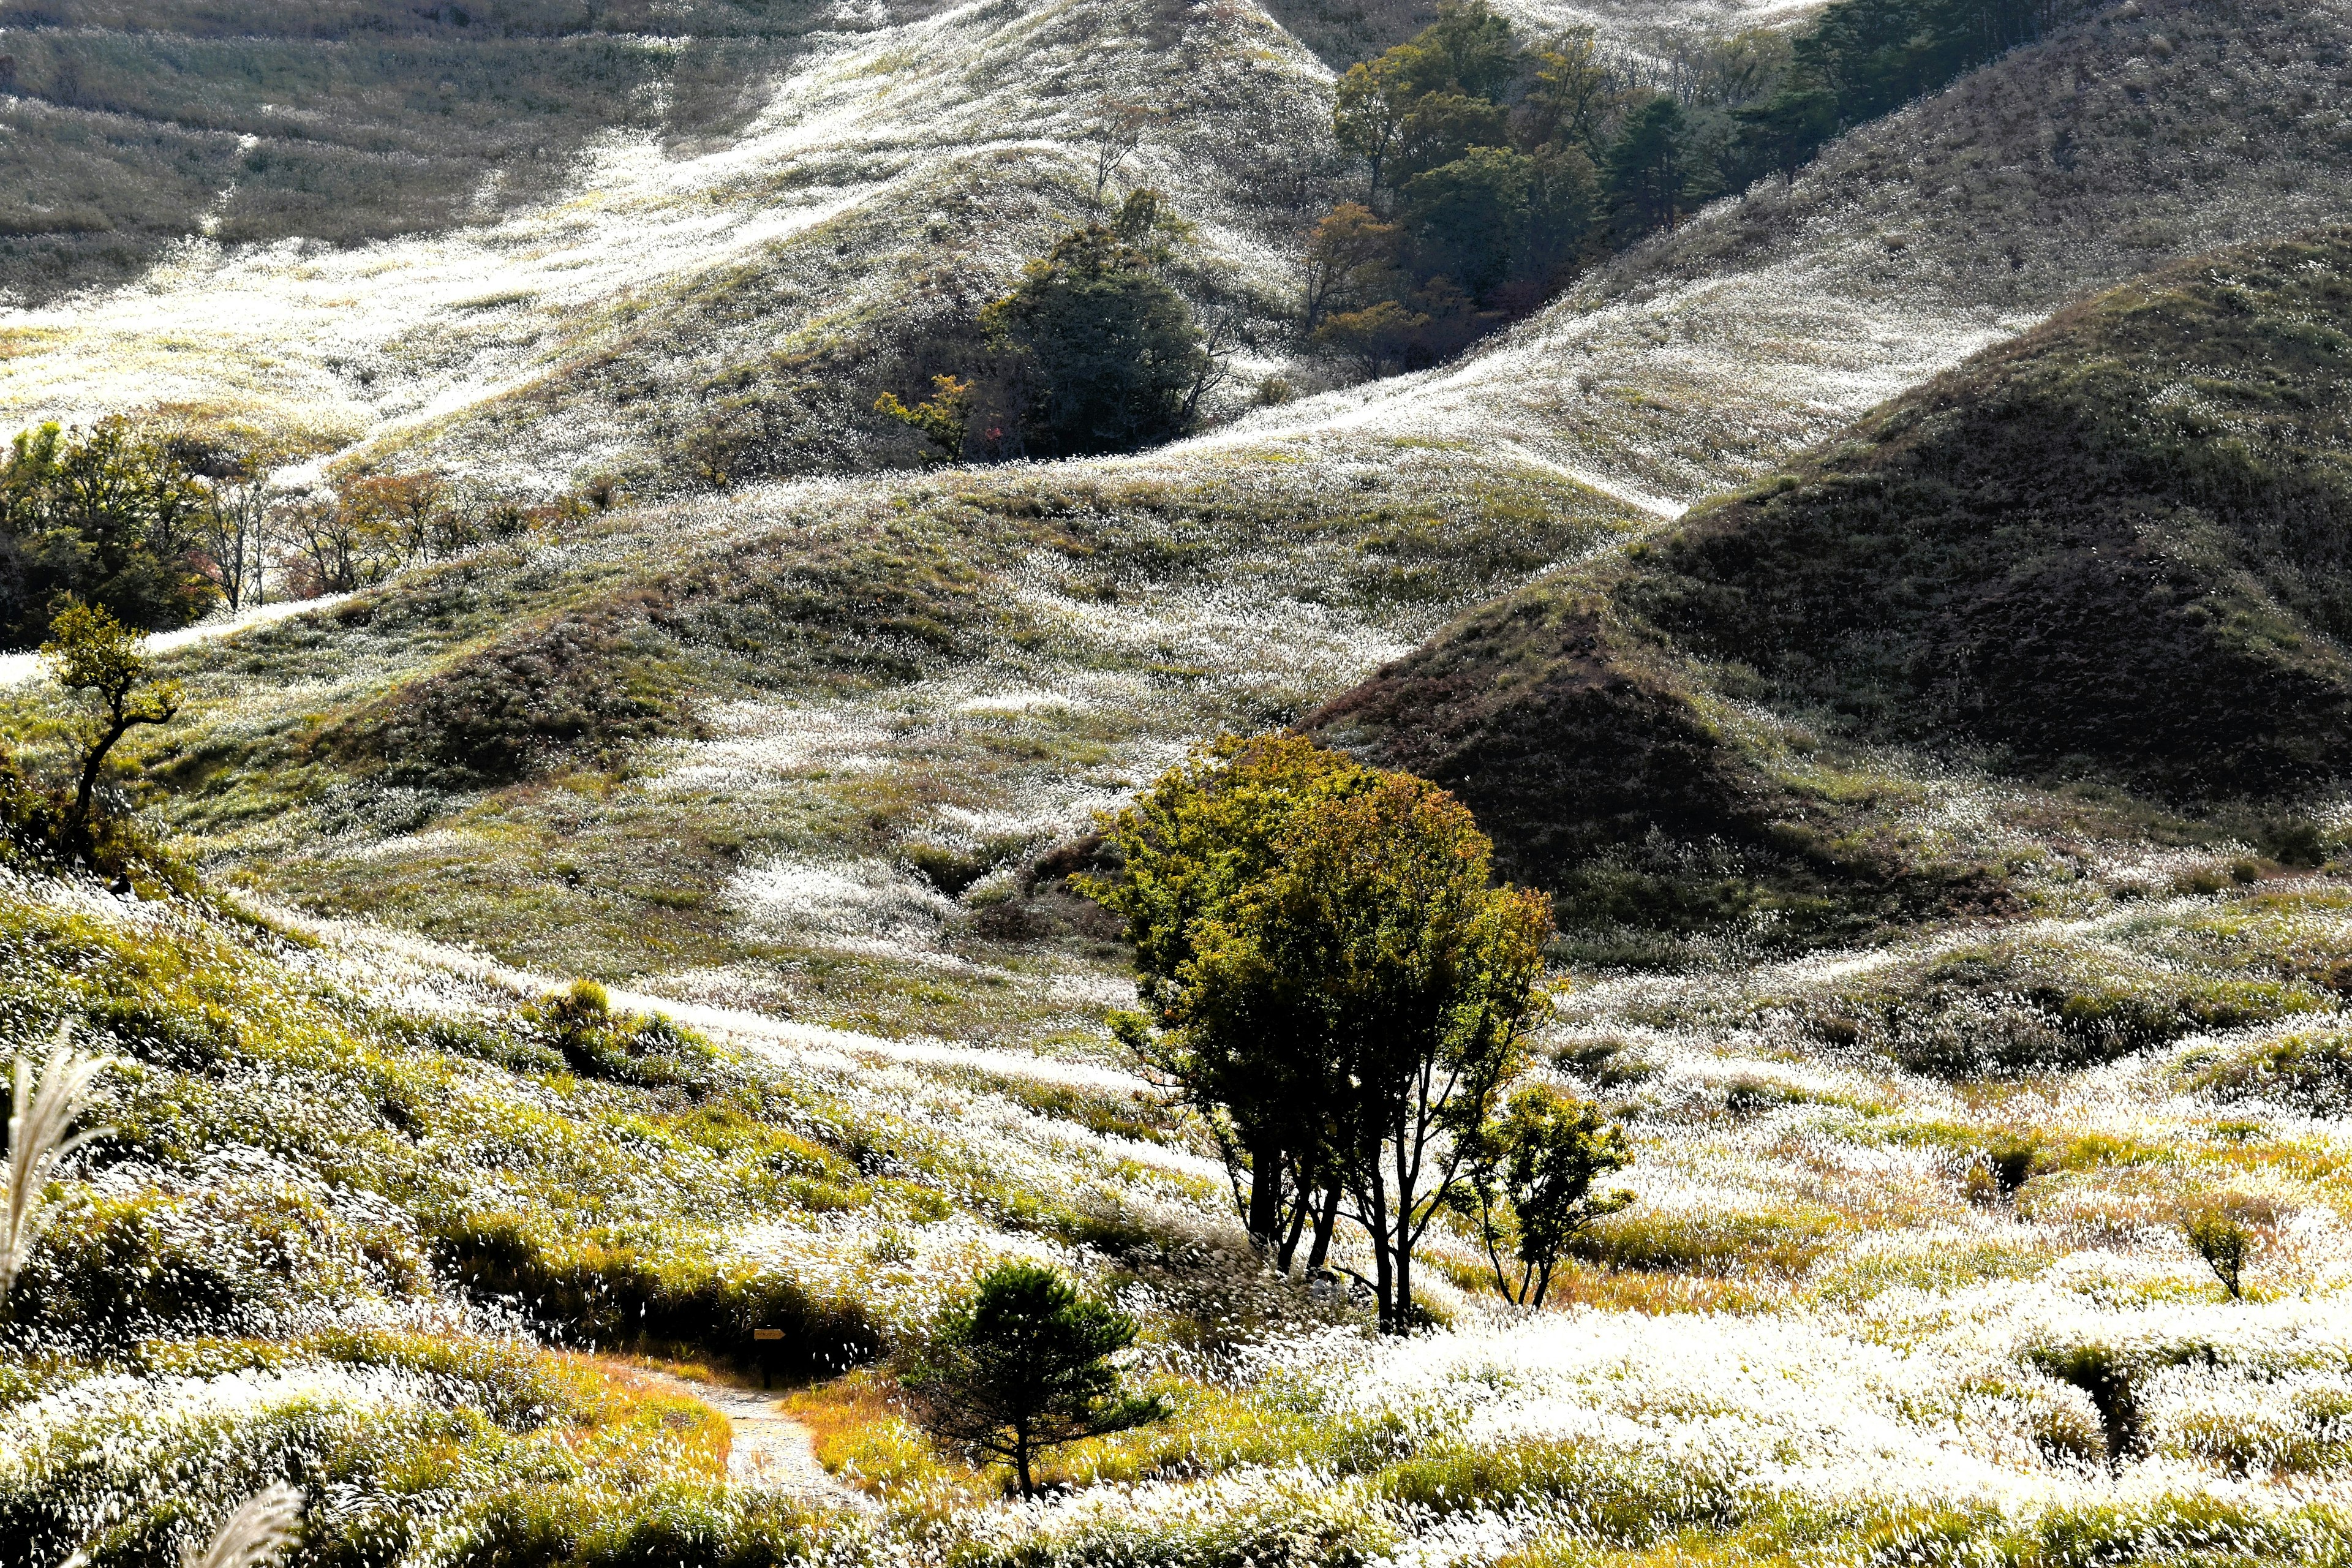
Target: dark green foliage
[[1024, 1365], [1495, 170], [106, 515], [1482, 192], [1471, 216], [1653, 177], [1103, 356]]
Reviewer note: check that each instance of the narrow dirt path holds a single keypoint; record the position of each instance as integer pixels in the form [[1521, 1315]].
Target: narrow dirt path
[[770, 1449]]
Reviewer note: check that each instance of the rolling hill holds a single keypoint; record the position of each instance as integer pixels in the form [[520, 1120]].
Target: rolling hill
[[2144, 134], [679, 297], [2110, 553], [1899, 612]]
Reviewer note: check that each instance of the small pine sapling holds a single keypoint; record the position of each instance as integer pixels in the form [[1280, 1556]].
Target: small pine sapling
[[1025, 1365], [40, 1120]]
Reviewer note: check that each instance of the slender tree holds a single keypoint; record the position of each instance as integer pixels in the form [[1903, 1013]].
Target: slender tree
[[1649, 169], [1205, 831], [91, 652], [1374, 100], [1531, 1185], [1377, 936], [232, 532]]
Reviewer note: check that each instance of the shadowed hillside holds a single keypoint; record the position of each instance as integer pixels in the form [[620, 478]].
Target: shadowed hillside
[[2112, 551], [135, 125]]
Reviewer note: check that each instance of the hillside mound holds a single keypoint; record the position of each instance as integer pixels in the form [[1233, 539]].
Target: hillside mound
[[2141, 136], [2112, 551]]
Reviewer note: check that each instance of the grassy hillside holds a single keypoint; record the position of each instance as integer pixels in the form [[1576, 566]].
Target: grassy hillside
[[133, 126], [2143, 135], [803, 747], [2108, 553], [670, 309], [406, 1238]]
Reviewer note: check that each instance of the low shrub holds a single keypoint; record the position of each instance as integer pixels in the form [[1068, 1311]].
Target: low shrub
[[2311, 1072], [644, 1292], [582, 1031], [111, 1269]]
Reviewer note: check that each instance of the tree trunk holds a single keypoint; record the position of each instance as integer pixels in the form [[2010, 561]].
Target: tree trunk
[[1020, 1460], [1297, 1224], [1325, 1222], [1266, 1197], [85, 842], [1403, 1239], [1383, 1260]]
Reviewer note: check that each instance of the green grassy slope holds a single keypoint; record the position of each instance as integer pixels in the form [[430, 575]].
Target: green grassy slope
[[801, 747], [362, 1219], [2112, 551]]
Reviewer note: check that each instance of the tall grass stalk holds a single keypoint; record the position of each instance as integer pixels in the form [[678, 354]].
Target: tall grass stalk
[[256, 1532], [38, 1120]]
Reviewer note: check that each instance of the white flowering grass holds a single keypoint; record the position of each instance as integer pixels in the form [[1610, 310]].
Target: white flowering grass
[[41, 1135], [260, 1528]]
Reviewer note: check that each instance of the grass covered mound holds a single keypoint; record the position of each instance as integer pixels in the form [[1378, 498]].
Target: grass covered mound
[[2110, 553], [2116, 544]]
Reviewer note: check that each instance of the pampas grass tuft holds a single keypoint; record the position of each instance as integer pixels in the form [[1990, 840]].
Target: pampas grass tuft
[[256, 1532], [38, 1120]]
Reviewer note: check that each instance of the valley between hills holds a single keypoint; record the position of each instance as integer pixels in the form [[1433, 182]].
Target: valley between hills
[[587, 1004]]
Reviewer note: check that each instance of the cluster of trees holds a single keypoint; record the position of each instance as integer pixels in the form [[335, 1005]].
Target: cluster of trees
[[1495, 171], [1093, 351], [156, 528], [1483, 184], [1331, 978], [105, 514]]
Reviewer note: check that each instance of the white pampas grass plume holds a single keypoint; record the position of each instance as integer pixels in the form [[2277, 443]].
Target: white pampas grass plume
[[38, 1120], [256, 1532]]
